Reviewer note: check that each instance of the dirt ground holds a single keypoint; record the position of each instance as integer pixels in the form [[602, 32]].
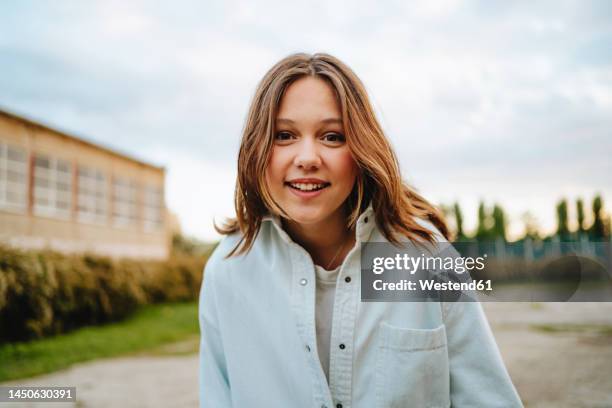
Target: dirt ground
[[558, 355]]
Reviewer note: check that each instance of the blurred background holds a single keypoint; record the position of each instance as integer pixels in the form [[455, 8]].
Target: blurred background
[[119, 129]]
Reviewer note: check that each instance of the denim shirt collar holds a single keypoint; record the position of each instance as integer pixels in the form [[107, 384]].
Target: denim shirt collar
[[365, 224]]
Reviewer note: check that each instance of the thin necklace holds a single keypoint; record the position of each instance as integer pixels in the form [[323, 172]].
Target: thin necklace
[[337, 252]]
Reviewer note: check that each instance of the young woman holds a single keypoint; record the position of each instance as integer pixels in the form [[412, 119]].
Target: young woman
[[282, 322]]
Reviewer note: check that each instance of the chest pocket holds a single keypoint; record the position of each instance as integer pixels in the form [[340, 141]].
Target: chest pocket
[[412, 367]]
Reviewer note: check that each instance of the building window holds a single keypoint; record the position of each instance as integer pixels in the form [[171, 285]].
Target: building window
[[92, 195], [52, 186], [13, 177], [125, 202], [153, 205]]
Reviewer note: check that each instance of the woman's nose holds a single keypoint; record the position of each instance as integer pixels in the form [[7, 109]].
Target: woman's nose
[[307, 156]]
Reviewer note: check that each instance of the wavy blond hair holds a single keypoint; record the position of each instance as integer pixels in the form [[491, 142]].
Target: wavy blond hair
[[396, 205]]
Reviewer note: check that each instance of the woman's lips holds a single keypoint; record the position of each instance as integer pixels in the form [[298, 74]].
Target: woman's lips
[[306, 194]]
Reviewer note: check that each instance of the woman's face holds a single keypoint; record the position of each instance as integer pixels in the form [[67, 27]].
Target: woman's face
[[311, 171]]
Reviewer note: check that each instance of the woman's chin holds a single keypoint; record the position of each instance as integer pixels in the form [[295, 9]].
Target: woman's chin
[[306, 216]]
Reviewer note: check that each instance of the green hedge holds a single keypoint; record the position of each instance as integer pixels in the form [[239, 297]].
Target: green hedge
[[45, 293]]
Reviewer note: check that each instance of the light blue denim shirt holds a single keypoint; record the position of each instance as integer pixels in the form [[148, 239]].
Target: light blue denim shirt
[[259, 347]]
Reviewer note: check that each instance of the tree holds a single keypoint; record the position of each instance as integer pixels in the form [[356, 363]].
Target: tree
[[562, 229], [459, 221], [597, 229], [190, 246], [580, 216], [483, 228], [499, 222]]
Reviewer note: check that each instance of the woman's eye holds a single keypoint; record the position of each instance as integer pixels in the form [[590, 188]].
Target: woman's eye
[[334, 137], [283, 136]]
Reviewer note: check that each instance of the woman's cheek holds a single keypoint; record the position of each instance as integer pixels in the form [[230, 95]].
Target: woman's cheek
[[346, 166], [274, 172]]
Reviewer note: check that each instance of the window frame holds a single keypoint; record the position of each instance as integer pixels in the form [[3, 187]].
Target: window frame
[[54, 195], [92, 195], [21, 169]]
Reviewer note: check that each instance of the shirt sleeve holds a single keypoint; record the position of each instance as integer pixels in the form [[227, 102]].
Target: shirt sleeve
[[478, 376], [213, 378]]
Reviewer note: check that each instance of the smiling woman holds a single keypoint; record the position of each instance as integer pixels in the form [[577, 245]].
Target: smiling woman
[[305, 98], [311, 170], [280, 313]]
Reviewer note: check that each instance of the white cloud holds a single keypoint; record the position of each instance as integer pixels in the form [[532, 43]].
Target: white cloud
[[510, 103], [198, 192]]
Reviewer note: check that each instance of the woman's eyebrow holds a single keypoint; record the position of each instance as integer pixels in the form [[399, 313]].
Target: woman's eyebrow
[[328, 120]]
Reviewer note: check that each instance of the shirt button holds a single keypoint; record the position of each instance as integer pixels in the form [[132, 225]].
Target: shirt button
[[323, 406], [347, 279], [338, 405], [365, 220], [342, 346], [307, 348], [303, 282]]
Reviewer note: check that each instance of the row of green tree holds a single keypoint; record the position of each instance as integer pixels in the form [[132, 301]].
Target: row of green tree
[[492, 222], [596, 231]]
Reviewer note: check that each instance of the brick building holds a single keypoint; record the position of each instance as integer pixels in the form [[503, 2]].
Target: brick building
[[61, 192]]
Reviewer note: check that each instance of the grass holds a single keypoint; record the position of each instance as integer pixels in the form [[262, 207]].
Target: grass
[[149, 329], [599, 329]]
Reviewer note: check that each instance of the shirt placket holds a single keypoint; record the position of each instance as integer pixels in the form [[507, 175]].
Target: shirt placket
[[303, 296], [342, 334], [344, 320], [303, 286]]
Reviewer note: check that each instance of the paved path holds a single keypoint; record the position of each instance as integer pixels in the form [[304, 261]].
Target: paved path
[[564, 366]]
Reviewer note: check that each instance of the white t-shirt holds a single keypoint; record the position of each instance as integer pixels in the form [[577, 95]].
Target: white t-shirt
[[324, 310]]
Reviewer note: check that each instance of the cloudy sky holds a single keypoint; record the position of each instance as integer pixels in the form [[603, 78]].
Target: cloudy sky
[[507, 102]]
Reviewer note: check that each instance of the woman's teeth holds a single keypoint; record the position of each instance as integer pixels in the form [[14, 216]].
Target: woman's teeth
[[307, 187]]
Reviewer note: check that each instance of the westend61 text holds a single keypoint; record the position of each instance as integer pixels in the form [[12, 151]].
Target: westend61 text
[[431, 284]]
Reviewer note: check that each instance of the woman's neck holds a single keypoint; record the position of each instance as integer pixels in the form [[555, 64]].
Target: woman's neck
[[327, 241]]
